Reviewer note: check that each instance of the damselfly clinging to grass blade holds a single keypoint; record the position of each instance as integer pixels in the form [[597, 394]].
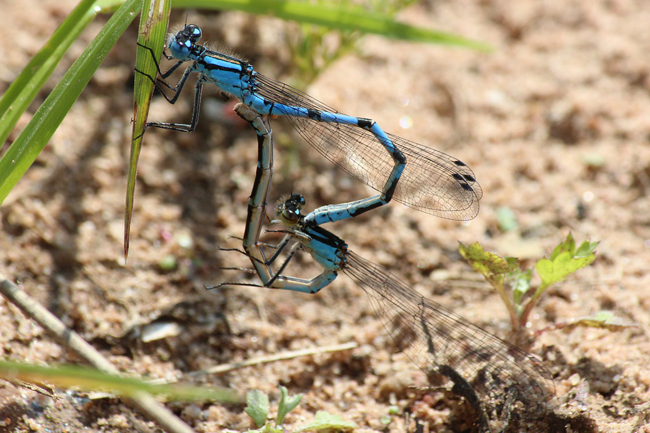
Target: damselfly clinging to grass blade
[[500, 381], [413, 174]]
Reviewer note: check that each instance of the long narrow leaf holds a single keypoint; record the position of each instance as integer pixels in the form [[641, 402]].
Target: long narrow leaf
[[48, 117], [153, 27], [29, 82], [27, 85], [92, 380], [340, 17]]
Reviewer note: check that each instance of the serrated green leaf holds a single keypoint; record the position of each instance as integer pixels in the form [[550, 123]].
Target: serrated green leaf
[[287, 404], [326, 421], [569, 245], [486, 263], [586, 248], [494, 268], [561, 267], [563, 262], [257, 407]]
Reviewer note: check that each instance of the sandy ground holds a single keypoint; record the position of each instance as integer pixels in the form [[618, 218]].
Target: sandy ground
[[555, 124]]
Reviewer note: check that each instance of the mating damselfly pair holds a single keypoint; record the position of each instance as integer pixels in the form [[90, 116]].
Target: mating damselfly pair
[[496, 378]]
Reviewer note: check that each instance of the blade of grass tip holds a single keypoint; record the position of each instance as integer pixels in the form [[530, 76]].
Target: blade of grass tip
[[153, 28], [336, 17], [29, 82], [29, 144]]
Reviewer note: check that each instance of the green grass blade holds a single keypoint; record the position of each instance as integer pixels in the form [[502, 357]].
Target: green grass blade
[[340, 17], [153, 28], [29, 144], [30, 81], [93, 380]]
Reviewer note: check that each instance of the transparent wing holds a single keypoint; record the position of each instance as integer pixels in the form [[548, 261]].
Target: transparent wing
[[504, 377], [432, 181]]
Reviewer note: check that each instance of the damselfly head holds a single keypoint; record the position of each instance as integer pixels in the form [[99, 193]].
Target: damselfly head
[[182, 43], [288, 209]]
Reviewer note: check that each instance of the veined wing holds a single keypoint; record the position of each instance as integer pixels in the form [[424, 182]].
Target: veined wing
[[503, 376], [432, 181]]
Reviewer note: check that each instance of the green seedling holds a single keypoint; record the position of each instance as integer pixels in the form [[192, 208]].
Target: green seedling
[[514, 284], [258, 408]]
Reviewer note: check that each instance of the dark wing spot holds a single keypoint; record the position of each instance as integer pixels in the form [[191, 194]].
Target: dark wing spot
[[466, 187]]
